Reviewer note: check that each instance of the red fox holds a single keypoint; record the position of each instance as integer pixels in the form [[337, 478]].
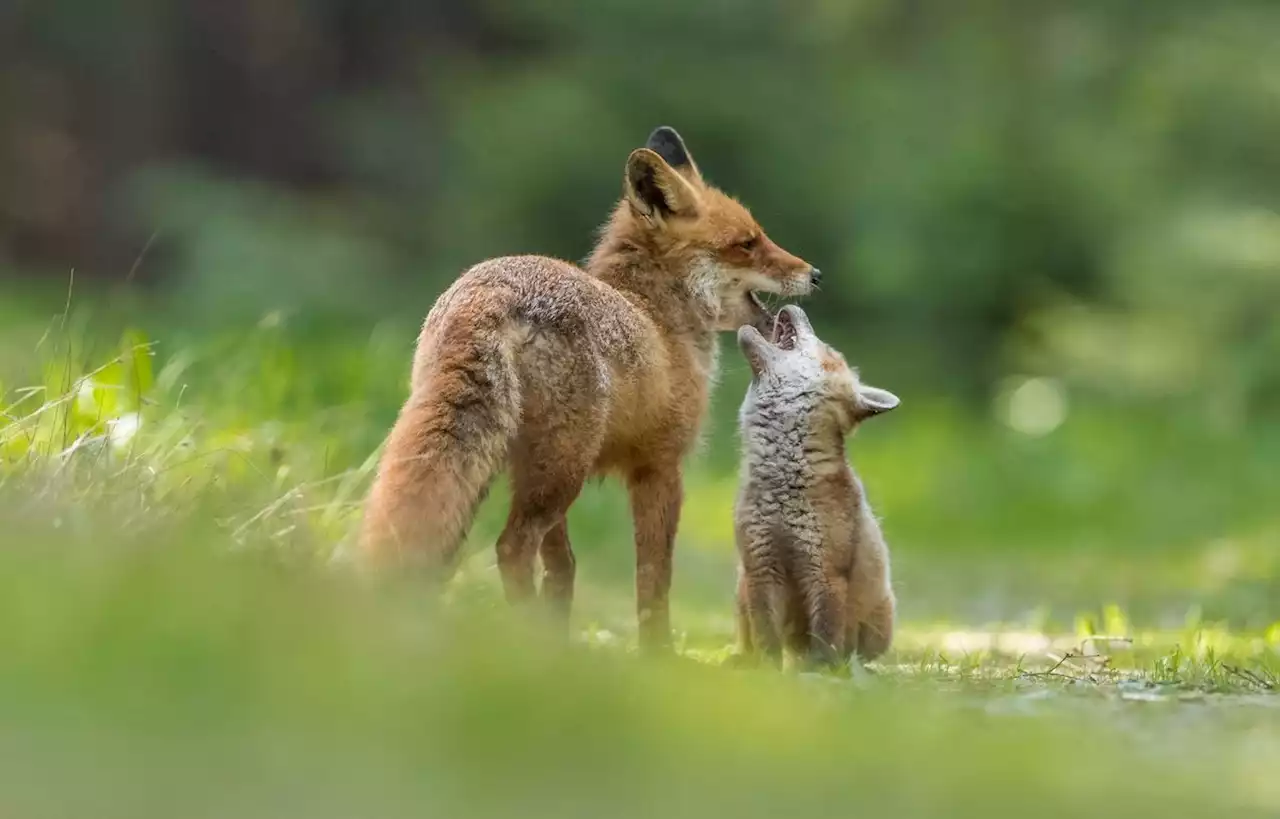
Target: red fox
[[814, 567], [560, 373]]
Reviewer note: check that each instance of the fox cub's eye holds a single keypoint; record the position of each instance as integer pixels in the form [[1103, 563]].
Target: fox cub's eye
[[749, 244]]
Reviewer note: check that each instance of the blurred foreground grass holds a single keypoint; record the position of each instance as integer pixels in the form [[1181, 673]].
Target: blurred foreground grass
[[181, 636], [146, 672]]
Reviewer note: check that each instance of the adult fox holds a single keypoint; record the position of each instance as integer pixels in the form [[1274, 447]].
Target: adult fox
[[561, 373]]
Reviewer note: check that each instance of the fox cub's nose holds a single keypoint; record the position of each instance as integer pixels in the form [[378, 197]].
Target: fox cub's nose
[[815, 276]]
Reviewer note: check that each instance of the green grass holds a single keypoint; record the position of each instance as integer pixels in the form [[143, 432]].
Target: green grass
[[1089, 619]]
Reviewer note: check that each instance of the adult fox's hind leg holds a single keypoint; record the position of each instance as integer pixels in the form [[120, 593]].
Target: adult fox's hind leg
[[536, 509], [546, 477], [560, 436], [558, 571]]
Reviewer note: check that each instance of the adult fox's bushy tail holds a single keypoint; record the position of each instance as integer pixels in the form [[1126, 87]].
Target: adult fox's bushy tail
[[447, 445]]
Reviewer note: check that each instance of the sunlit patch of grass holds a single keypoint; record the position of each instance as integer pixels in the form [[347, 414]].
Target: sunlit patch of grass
[[123, 431], [1220, 662]]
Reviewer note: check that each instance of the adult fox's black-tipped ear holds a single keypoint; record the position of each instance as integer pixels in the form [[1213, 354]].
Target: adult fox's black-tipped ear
[[655, 189], [666, 143]]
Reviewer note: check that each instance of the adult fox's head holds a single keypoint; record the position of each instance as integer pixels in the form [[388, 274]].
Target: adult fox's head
[[706, 236]]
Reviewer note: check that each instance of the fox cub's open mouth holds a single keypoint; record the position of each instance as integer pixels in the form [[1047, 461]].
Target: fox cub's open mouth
[[784, 331]]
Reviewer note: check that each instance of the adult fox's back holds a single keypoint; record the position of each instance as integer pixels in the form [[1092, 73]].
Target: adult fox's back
[[468, 394], [560, 373]]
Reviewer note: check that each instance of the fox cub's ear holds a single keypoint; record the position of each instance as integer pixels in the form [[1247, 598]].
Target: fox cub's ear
[[655, 190], [666, 143], [875, 401], [755, 348]]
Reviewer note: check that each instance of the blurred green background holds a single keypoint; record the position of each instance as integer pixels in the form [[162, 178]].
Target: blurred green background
[[1052, 228]]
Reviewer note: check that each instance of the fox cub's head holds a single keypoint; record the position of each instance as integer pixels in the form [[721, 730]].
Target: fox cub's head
[[707, 237], [795, 369]]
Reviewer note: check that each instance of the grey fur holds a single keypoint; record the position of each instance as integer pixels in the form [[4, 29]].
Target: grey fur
[[814, 567]]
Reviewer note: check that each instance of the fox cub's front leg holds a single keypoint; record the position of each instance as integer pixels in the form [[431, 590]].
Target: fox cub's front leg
[[761, 588], [825, 599], [875, 633], [746, 646], [744, 653]]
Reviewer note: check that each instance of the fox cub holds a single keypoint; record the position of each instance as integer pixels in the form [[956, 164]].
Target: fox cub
[[814, 568]]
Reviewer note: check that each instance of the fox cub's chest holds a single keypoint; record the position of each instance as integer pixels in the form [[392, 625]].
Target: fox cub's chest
[[775, 508]]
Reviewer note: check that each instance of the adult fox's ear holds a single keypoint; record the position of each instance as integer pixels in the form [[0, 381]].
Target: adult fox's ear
[[755, 348], [655, 190], [666, 143], [875, 401]]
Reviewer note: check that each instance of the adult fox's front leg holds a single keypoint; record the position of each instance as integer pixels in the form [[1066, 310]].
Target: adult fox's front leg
[[656, 497]]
